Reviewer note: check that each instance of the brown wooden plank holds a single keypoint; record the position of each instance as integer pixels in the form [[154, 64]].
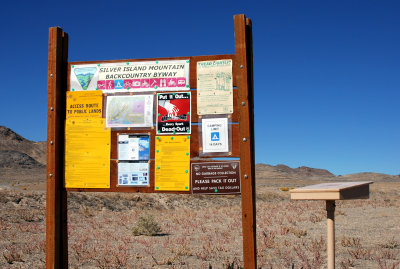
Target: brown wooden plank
[[56, 203], [244, 78], [193, 64]]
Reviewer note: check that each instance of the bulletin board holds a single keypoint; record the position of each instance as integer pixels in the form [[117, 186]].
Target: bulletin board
[[181, 125], [169, 165]]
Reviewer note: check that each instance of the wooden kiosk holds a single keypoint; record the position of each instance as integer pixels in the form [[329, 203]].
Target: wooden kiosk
[[241, 124], [330, 192]]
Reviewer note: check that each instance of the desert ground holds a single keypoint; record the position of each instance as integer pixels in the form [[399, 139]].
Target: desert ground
[[198, 231]]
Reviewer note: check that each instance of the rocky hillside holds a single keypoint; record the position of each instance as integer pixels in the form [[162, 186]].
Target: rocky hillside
[[283, 172], [280, 171], [16, 159], [11, 143]]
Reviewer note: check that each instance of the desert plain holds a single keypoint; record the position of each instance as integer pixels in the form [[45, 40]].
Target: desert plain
[[124, 230]]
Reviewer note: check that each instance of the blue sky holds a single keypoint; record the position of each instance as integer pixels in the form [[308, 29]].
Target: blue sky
[[326, 73]]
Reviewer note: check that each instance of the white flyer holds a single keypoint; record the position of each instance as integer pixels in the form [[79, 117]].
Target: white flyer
[[133, 174], [133, 147], [215, 135], [214, 87]]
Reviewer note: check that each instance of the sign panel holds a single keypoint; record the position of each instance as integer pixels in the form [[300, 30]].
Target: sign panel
[[87, 153], [129, 111], [133, 147], [215, 136], [215, 177], [173, 113], [172, 75], [172, 163], [214, 87], [84, 104], [134, 174]]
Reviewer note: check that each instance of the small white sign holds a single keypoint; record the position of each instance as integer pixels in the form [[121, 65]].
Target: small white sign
[[215, 135]]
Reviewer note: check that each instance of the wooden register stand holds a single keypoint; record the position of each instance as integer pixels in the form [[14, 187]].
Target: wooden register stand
[[330, 192]]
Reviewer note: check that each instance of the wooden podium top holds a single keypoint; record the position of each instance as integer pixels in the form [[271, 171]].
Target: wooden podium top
[[332, 191]]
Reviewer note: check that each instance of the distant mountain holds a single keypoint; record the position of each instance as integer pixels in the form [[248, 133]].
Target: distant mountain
[[283, 172], [370, 176], [280, 171], [16, 159], [11, 141]]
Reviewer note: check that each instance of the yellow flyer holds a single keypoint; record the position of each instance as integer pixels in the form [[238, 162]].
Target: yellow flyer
[[87, 153], [84, 104], [172, 163]]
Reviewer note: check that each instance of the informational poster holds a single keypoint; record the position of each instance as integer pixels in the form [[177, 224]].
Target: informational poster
[[214, 87], [215, 135], [172, 163], [133, 147], [163, 75], [87, 153], [133, 174], [173, 113], [215, 177], [129, 111], [84, 104]]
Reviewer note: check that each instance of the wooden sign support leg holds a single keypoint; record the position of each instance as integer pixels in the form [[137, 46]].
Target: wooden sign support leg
[[330, 213], [56, 196], [244, 71]]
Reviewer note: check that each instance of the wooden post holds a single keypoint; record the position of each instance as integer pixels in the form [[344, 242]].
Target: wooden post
[[244, 76], [330, 214], [56, 196]]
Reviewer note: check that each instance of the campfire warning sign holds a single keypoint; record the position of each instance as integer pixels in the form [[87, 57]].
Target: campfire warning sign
[[173, 113]]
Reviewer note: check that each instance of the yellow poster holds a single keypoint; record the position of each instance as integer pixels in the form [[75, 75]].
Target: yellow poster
[[87, 153], [172, 163], [84, 104]]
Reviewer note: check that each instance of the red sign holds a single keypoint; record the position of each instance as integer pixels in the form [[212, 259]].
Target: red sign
[[173, 113]]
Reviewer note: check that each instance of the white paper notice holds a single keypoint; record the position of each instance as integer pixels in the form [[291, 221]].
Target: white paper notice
[[215, 135], [214, 87], [133, 147], [133, 174]]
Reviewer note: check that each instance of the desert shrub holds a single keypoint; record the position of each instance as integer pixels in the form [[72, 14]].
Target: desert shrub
[[146, 225], [11, 255]]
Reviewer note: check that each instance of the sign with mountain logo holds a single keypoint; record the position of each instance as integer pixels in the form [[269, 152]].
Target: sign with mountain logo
[[84, 77]]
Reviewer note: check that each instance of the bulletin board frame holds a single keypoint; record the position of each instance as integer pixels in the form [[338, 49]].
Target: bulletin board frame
[[242, 139]]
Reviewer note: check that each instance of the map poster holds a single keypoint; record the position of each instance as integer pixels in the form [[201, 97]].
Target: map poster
[[84, 104], [215, 177], [215, 135], [129, 111], [173, 113], [133, 174], [214, 87], [133, 147], [172, 163], [163, 75]]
